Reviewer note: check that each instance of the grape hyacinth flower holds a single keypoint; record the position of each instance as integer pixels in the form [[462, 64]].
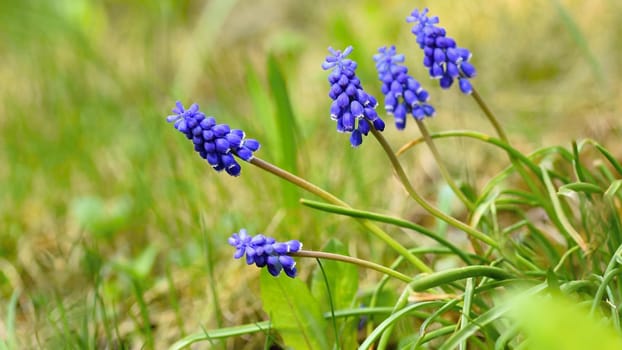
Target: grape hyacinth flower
[[266, 251], [444, 60], [352, 108], [216, 143], [403, 94]]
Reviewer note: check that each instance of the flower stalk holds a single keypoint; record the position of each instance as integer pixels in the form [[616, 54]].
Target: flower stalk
[[329, 197], [401, 174], [441, 166], [356, 261]]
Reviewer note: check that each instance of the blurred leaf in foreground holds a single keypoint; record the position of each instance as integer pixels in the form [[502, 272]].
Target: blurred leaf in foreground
[[554, 322]]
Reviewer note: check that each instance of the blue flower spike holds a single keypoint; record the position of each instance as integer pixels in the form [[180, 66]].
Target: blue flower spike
[[443, 58], [216, 143], [352, 107], [403, 94], [266, 252]]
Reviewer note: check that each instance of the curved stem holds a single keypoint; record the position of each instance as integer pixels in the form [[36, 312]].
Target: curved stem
[[298, 181], [352, 260], [482, 137], [441, 166], [401, 174], [329, 197]]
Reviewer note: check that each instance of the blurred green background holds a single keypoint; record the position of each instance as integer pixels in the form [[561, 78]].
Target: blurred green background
[[109, 219]]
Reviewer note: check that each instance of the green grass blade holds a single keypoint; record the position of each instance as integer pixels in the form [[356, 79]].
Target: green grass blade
[[401, 303], [484, 319], [436, 279], [342, 280], [612, 190], [11, 339], [369, 341], [386, 219], [466, 309], [263, 112], [557, 209], [612, 160], [220, 334], [585, 187], [578, 37], [483, 207], [286, 129]]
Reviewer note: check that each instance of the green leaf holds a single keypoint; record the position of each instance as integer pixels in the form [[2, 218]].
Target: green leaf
[[10, 341], [294, 313], [386, 219], [586, 187], [613, 189], [343, 284], [139, 267], [484, 319], [559, 213], [394, 317], [263, 110], [102, 218], [554, 322], [286, 131], [221, 333]]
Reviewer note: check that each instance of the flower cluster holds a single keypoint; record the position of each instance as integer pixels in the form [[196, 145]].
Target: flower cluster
[[443, 58], [403, 95], [352, 108], [266, 251], [216, 143]]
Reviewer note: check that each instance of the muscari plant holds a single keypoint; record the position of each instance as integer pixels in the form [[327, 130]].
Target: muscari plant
[[574, 252]]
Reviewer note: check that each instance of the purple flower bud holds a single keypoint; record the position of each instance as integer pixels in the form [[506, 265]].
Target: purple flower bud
[[442, 57], [356, 108], [405, 94], [356, 138], [465, 86], [350, 106], [467, 69], [251, 144], [379, 124], [446, 81], [452, 70], [216, 143], [348, 121], [265, 252], [436, 71]]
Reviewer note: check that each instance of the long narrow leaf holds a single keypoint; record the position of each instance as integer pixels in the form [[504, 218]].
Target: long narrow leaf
[[343, 281], [484, 319], [221, 333], [561, 216], [294, 312], [286, 129], [388, 322], [387, 219]]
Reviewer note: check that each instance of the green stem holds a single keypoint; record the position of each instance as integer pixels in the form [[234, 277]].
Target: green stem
[[329, 197], [514, 153], [441, 166], [491, 117], [401, 174], [495, 123], [352, 260]]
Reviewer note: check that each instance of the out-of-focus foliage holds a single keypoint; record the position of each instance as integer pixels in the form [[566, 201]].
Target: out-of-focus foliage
[[92, 177]]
